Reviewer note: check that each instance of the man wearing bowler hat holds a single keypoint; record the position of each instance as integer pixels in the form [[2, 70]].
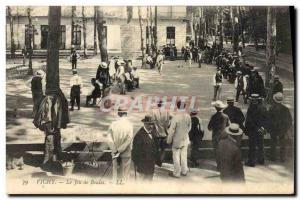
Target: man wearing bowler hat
[[255, 128], [280, 123], [234, 113], [121, 133], [76, 86], [144, 150], [230, 156]]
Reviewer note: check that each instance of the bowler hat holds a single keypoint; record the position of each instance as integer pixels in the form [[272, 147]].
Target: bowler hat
[[148, 119], [233, 129], [74, 71], [122, 110], [278, 97]]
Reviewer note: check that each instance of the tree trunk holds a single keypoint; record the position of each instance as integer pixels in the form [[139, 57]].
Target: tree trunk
[[221, 26], [155, 30], [95, 30], [235, 35], [102, 38], [151, 27], [142, 38], [12, 39], [242, 27], [30, 32], [84, 33], [52, 74], [72, 27], [271, 45]]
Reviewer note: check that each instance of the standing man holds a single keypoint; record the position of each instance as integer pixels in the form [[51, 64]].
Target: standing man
[[161, 119], [280, 123], [217, 82], [196, 134], [76, 85], [38, 89], [74, 57], [217, 124], [121, 132], [240, 86], [230, 155], [234, 113], [144, 150], [179, 138], [255, 129], [159, 61], [103, 75]]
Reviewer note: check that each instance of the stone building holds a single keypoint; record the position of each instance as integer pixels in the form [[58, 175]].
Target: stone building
[[122, 37]]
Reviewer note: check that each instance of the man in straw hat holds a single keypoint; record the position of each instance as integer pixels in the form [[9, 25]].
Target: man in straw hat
[[255, 128], [229, 155], [196, 134], [179, 138], [76, 86], [102, 74], [144, 150], [121, 132], [217, 123], [280, 123]]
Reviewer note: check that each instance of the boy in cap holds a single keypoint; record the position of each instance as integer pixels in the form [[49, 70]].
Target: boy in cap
[[196, 134], [76, 85], [229, 155], [144, 150]]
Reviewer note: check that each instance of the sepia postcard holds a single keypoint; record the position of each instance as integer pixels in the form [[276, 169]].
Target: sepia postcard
[[150, 100]]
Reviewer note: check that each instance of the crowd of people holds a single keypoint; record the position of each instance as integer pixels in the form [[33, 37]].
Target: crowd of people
[[147, 147]]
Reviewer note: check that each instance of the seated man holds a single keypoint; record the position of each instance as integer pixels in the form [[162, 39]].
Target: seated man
[[94, 93]]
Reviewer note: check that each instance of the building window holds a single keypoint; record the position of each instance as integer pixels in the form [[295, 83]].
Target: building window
[[44, 36], [171, 35], [77, 35]]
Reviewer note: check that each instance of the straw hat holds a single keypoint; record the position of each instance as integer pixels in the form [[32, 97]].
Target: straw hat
[[233, 129]]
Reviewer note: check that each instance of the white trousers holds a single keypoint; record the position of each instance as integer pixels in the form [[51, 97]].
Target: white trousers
[[180, 160]]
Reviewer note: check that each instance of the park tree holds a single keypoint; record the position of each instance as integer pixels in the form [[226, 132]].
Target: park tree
[[11, 28], [95, 29], [271, 45], [142, 37], [84, 20], [102, 37], [30, 38], [73, 9], [155, 28]]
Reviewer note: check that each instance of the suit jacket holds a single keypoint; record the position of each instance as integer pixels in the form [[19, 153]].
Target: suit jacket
[[218, 122], [256, 118], [230, 160], [281, 119], [235, 115], [179, 130], [144, 152], [162, 119]]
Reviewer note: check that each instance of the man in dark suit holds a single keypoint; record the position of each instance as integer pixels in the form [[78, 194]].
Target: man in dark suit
[[230, 156], [234, 113], [144, 151], [255, 128]]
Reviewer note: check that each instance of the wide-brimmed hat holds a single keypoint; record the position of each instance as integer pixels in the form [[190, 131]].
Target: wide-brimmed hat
[[40, 73], [254, 97], [194, 111], [120, 62], [218, 104], [230, 100], [103, 65], [233, 129], [278, 97], [148, 119], [122, 110]]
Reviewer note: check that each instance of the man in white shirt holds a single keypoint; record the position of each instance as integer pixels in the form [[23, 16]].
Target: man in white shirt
[[179, 138], [136, 77], [76, 85], [217, 82], [121, 132]]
